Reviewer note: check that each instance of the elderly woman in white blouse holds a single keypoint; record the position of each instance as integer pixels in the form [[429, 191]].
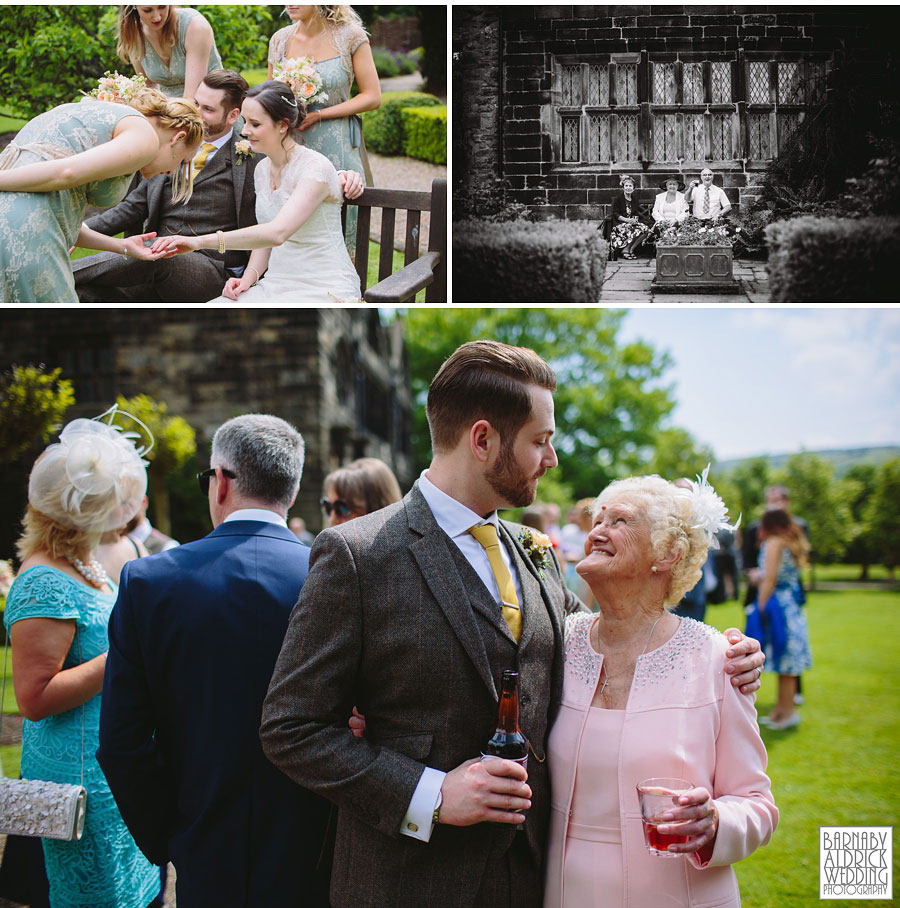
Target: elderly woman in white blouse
[[670, 206]]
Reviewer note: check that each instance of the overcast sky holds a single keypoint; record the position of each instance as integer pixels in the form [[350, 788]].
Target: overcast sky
[[778, 380]]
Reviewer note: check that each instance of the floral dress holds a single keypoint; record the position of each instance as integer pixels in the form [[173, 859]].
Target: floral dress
[[340, 139], [795, 658], [37, 228], [170, 79], [105, 868]]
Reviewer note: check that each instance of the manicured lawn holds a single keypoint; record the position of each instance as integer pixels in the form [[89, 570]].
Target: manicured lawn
[[839, 767], [10, 124], [9, 756], [850, 572]]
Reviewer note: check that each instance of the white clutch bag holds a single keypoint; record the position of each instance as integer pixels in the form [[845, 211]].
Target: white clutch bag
[[50, 810]]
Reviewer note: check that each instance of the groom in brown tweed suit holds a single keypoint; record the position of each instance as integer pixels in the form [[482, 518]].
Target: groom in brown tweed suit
[[400, 616]]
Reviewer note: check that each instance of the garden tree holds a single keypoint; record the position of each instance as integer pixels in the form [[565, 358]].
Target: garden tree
[[749, 480], [608, 402], [815, 496], [32, 402], [77, 44], [433, 25], [883, 515], [857, 487], [174, 442], [677, 454]]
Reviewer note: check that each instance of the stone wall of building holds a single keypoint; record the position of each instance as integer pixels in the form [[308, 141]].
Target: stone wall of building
[[338, 375], [532, 37]]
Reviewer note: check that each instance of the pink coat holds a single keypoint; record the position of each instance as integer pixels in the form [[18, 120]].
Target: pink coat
[[685, 720]]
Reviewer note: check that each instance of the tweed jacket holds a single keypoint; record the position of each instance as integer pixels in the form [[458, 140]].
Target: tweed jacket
[[394, 620], [149, 206]]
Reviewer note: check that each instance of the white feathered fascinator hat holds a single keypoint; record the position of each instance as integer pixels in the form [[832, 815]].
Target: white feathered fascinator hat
[[707, 510], [94, 478]]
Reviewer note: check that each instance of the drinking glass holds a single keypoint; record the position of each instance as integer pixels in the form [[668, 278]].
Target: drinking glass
[[656, 797]]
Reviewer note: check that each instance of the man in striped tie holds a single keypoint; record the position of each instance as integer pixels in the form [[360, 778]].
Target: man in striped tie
[[707, 201]]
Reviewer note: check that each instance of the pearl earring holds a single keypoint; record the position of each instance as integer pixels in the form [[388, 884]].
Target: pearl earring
[[654, 568]]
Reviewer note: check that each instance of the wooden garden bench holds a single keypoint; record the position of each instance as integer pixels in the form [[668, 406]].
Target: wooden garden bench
[[428, 270]]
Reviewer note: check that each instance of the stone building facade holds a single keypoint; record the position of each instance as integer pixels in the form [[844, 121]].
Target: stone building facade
[[339, 375], [558, 101]]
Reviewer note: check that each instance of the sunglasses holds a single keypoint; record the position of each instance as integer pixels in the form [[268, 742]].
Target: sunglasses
[[204, 477], [339, 506]]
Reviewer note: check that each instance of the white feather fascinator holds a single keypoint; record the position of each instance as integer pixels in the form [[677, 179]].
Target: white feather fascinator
[[708, 511], [94, 478]]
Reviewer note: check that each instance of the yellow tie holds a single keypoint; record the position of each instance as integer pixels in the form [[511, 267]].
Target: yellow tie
[[200, 160], [487, 536]]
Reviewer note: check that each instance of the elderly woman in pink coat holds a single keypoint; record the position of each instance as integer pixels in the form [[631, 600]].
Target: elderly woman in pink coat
[[645, 695]]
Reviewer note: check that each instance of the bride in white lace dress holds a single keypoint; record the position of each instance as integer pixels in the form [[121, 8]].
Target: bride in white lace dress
[[298, 243]]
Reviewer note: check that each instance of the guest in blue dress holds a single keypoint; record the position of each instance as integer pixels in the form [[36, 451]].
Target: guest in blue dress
[[334, 38], [77, 155], [783, 552], [56, 615], [174, 48]]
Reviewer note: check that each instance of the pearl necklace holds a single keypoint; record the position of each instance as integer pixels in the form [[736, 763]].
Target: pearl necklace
[[93, 572], [632, 664]]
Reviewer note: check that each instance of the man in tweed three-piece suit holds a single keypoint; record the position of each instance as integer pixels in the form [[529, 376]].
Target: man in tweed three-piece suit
[[401, 616]]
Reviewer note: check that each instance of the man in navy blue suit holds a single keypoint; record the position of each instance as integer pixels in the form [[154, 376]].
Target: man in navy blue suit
[[193, 637]]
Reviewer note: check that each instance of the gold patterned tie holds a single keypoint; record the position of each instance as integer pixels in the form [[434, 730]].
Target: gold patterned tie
[[486, 534], [706, 201], [200, 160]]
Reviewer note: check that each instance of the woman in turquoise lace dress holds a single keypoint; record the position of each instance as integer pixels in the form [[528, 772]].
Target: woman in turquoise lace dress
[[56, 616], [77, 155], [334, 38], [783, 552], [174, 48]]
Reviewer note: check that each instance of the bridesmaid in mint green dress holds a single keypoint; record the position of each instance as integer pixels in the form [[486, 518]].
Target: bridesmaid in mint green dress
[[174, 48], [73, 156], [340, 48]]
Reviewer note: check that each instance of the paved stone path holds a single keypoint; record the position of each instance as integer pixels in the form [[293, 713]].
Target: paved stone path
[[627, 283]]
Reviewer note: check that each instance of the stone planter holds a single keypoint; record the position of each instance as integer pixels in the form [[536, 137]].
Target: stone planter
[[694, 269]]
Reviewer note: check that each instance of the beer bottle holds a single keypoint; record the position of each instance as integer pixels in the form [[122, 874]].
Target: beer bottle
[[508, 742]]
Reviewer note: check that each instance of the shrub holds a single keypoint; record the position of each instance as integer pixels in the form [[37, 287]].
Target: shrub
[[383, 128], [425, 133], [523, 262], [385, 63], [833, 260]]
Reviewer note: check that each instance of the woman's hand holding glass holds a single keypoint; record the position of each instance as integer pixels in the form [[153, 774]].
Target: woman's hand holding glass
[[696, 817]]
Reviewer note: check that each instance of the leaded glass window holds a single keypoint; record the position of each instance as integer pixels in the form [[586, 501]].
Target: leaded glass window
[[720, 79], [664, 83], [758, 86], [571, 144], [627, 138], [692, 83], [571, 86], [790, 86], [598, 85], [664, 138], [694, 137], [626, 84], [721, 137], [787, 126], [758, 129], [598, 138]]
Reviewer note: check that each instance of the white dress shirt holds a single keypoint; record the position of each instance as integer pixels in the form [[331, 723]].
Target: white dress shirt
[[718, 201], [218, 144], [265, 516], [455, 519]]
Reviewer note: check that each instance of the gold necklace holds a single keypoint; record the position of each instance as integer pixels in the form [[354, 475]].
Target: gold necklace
[[633, 663]]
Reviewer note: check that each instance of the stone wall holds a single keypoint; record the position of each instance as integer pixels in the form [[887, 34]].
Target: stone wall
[[338, 375], [396, 34], [507, 130]]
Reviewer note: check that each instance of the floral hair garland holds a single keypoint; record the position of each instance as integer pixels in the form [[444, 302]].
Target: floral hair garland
[[708, 511]]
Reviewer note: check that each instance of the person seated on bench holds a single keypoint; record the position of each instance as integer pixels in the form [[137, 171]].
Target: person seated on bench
[[629, 230]]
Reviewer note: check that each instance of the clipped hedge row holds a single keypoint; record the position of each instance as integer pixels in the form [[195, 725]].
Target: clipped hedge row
[[834, 260], [383, 128], [425, 133], [524, 262]]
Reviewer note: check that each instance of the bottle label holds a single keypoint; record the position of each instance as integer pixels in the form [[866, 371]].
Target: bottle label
[[522, 761]]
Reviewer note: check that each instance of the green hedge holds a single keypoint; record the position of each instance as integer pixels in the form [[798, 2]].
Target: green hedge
[[834, 260], [524, 262], [383, 128], [425, 133]]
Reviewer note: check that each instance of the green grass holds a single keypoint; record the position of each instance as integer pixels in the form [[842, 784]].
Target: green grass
[[839, 767], [9, 756], [849, 572], [257, 76], [10, 124]]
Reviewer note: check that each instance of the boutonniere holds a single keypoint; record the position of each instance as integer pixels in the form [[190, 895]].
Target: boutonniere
[[242, 150], [537, 548]]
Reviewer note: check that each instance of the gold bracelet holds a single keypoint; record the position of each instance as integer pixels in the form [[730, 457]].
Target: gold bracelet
[[221, 238], [251, 268]]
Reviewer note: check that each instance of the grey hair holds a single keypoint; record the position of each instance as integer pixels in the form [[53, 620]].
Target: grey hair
[[667, 511], [266, 455]]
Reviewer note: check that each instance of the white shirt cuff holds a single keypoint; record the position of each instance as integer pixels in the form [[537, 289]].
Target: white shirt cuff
[[417, 822]]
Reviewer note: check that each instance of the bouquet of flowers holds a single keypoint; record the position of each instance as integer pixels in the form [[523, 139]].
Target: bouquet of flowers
[[304, 79], [697, 232], [117, 88]]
